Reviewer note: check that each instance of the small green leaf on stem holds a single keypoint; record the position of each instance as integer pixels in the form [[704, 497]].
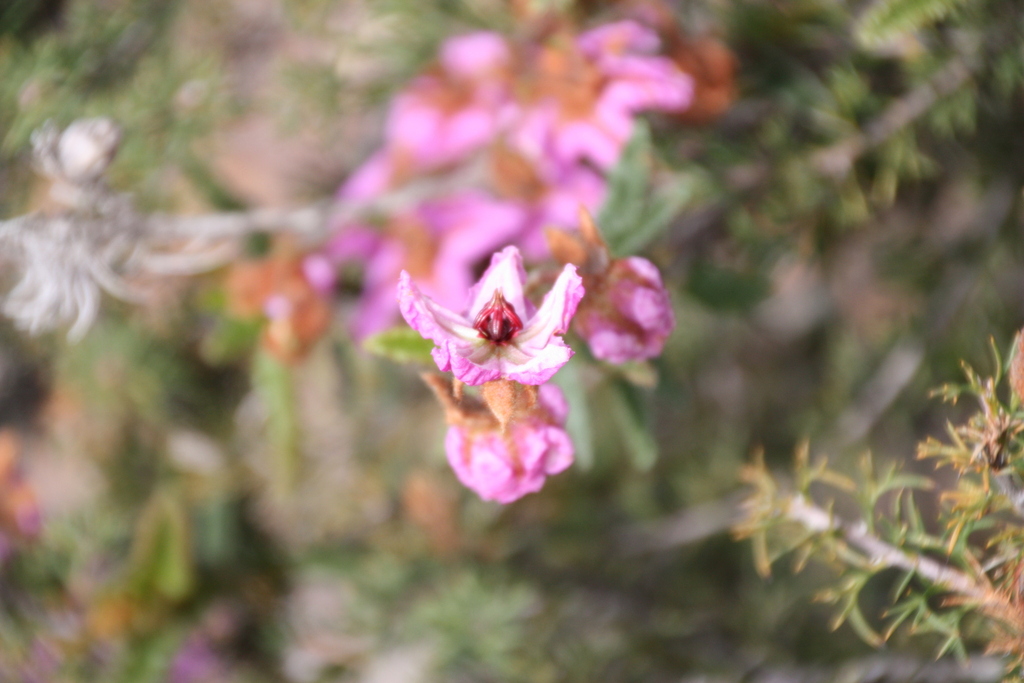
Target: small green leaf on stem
[[401, 345]]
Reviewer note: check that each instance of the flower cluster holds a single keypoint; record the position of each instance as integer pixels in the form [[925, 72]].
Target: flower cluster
[[538, 122], [504, 443]]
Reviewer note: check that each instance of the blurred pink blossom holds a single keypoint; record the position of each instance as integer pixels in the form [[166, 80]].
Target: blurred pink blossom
[[567, 188], [550, 119], [319, 273], [475, 55], [442, 116], [618, 37], [588, 101], [504, 467], [196, 662], [440, 241]]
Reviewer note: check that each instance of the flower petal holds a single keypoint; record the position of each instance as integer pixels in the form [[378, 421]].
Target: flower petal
[[429, 318], [618, 37], [503, 470], [505, 273], [554, 314], [560, 451], [474, 54], [319, 273], [369, 180], [632, 317], [472, 363], [353, 241], [553, 401], [584, 140], [541, 366]]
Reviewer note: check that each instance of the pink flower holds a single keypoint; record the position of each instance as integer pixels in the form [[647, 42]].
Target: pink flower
[[618, 37], [627, 314], [441, 241], [319, 273], [568, 187], [369, 180], [440, 117], [501, 336], [475, 55], [616, 78], [426, 129], [196, 662], [504, 467]]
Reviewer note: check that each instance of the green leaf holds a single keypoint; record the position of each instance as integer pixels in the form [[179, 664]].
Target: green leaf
[[161, 551], [578, 423], [273, 381], [627, 187], [638, 208], [631, 417], [230, 339], [886, 19], [860, 625], [849, 595], [401, 345], [664, 204], [727, 290]]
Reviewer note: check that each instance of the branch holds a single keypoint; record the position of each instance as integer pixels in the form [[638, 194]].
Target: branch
[[94, 240], [880, 553], [315, 222], [691, 525], [1010, 487], [875, 669], [837, 160]]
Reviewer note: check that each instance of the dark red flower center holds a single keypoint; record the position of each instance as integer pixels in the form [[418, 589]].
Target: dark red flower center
[[497, 321]]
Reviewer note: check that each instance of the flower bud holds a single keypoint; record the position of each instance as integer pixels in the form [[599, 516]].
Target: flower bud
[[506, 445], [505, 465], [508, 400], [627, 314], [86, 149]]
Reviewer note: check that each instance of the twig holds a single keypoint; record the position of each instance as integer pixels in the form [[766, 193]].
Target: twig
[[901, 364], [308, 221], [314, 222], [1012, 489], [837, 160], [100, 242], [893, 375], [688, 526], [880, 553], [876, 669]]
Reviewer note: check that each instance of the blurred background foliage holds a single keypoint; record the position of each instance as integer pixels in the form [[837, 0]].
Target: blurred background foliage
[[835, 242]]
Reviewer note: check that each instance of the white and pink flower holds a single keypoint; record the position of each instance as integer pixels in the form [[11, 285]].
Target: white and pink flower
[[501, 335]]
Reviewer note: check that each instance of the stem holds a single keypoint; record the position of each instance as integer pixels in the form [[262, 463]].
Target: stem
[[1011, 488], [837, 160], [814, 518]]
